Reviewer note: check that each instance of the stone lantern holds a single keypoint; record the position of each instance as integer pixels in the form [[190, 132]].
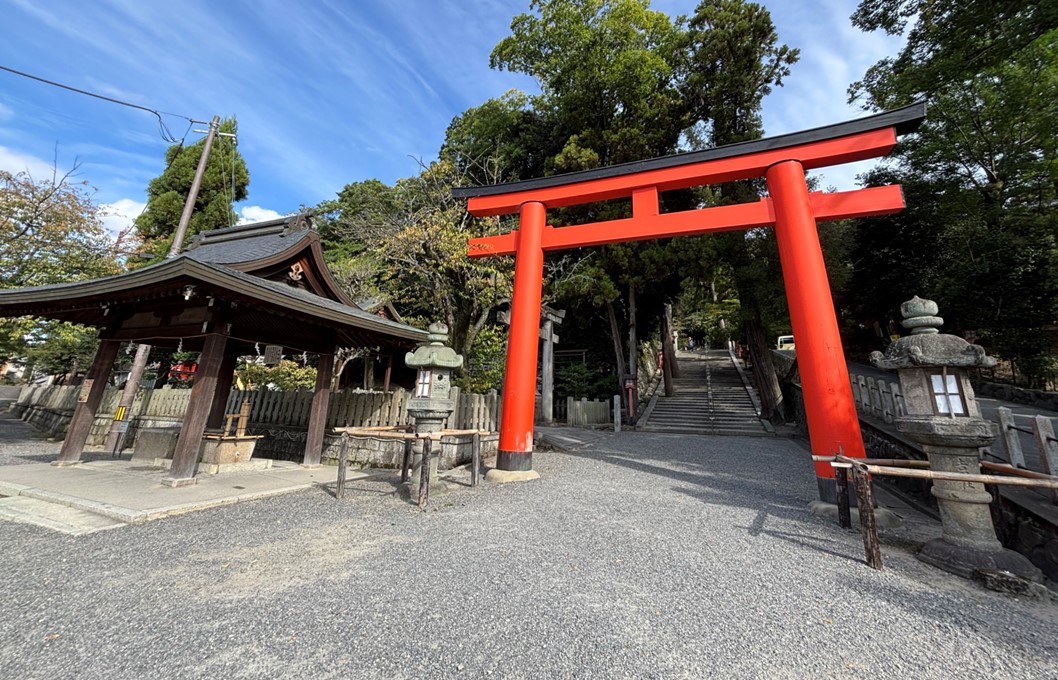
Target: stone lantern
[[432, 403], [943, 416]]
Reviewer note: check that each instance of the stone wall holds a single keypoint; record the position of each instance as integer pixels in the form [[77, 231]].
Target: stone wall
[[1030, 533], [1018, 395]]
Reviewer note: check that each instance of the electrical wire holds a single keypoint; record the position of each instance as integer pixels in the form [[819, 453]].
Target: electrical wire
[[163, 129]]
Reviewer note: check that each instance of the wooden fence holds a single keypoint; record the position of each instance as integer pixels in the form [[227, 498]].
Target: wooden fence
[[348, 408], [584, 412]]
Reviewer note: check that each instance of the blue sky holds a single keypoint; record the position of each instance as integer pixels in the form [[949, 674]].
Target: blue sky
[[327, 92]]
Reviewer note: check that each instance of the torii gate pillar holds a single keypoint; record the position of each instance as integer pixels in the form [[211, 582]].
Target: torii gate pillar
[[519, 387], [831, 412]]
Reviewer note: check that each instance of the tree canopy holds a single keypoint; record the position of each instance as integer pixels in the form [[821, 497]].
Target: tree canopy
[[224, 183], [50, 232], [980, 233]]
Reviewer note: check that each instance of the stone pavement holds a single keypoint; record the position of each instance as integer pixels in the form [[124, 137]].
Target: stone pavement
[[106, 493]]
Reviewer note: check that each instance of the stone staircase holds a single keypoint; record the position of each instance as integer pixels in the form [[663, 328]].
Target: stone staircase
[[709, 397]]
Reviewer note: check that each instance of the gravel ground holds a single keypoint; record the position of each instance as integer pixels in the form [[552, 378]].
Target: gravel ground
[[639, 556]]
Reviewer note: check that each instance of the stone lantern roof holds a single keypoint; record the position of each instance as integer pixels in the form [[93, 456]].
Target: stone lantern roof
[[926, 346], [434, 353]]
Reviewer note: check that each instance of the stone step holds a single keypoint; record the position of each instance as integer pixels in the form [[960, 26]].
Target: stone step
[[54, 516], [709, 398]]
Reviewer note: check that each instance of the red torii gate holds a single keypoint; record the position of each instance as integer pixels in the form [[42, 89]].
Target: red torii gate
[[793, 211]]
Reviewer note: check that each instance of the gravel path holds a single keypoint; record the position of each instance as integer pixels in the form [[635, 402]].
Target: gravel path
[[638, 556]]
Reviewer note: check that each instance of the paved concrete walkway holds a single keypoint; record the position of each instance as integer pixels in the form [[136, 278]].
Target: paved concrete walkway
[[106, 493]]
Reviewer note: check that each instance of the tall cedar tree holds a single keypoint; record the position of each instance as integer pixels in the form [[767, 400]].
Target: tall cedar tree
[[224, 183]]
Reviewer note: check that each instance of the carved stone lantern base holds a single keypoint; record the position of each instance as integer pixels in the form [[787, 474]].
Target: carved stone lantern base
[[964, 560], [969, 540]]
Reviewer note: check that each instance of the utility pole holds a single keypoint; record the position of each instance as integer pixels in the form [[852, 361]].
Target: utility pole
[[132, 384]]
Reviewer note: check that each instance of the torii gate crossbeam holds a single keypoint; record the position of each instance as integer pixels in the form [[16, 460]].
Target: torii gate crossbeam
[[793, 211]]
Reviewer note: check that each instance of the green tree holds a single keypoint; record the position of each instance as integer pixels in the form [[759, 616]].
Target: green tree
[[605, 69], [980, 175], [948, 38], [224, 183], [51, 232], [409, 242]]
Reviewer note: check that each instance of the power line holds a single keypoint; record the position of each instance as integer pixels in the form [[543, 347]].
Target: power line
[[163, 129]]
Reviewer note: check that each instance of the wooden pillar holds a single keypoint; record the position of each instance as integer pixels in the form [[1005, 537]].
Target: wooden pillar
[[225, 378], [389, 372], [833, 425], [189, 443], [88, 403], [547, 373], [519, 384], [321, 399], [668, 355]]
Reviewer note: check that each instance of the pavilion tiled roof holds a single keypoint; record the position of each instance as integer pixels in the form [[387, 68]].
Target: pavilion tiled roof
[[231, 260]]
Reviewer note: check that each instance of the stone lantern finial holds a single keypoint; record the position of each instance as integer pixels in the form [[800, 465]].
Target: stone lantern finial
[[926, 345], [920, 316]]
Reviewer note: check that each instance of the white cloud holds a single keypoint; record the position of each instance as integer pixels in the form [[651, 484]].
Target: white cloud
[[14, 162], [6, 112], [119, 215], [255, 213]]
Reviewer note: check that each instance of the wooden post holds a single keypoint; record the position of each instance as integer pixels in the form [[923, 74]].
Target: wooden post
[[424, 477], [91, 395], [321, 398], [343, 451], [189, 443], [633, 347], [1009, 433], [406, 463], [225, 378], [617, 413], [867, 524], [475, 458], [547, 373], [841, 478], [389, 372], [667, 354]]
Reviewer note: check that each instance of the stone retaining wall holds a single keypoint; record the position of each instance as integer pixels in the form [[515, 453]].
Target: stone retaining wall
[[1018, 395]]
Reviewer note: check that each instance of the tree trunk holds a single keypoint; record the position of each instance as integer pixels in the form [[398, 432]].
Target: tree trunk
[[723, 321], [633, 347], [671, 358], [771, 402], [615, 332], [666, 350]]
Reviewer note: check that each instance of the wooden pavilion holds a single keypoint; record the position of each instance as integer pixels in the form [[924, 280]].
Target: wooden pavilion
[[231, 291]]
